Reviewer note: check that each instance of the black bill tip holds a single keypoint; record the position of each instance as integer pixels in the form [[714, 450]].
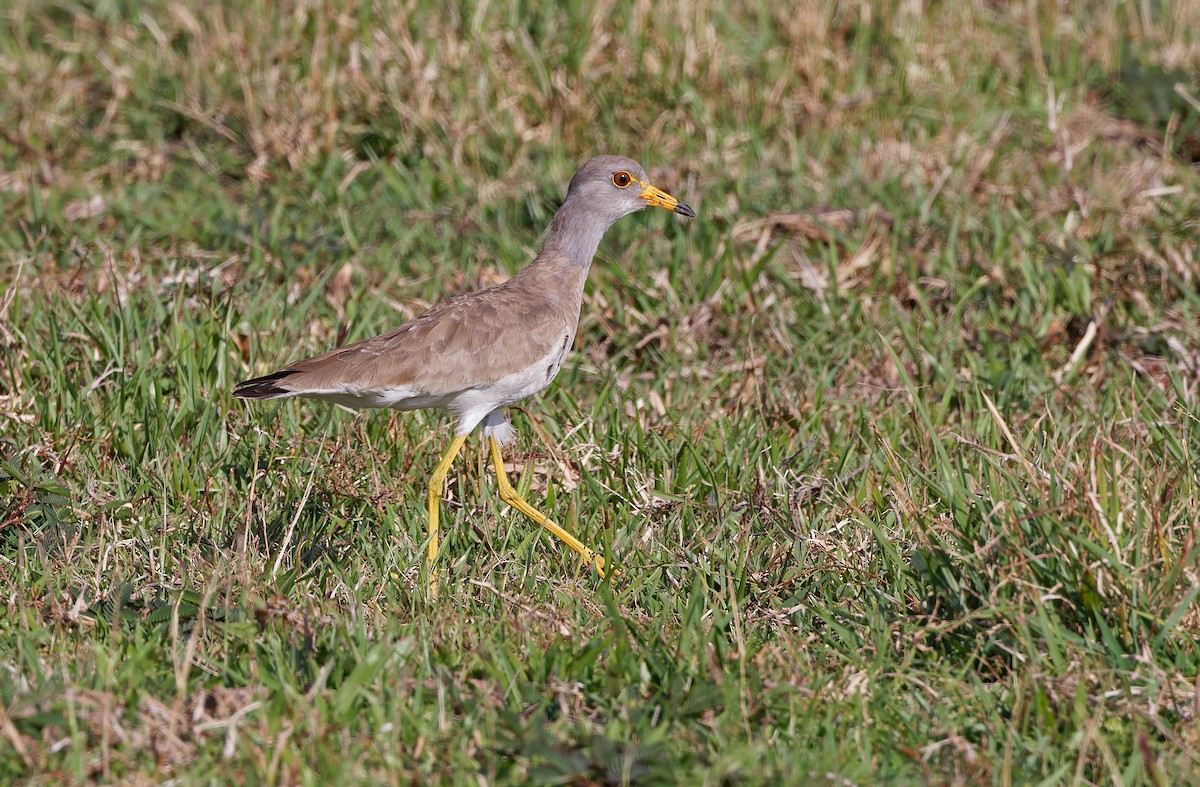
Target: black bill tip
[[684, 210]]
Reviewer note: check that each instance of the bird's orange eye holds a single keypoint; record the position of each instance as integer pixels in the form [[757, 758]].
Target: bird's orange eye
[[621, 179]]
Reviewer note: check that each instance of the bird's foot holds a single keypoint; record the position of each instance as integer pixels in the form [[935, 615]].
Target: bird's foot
[[598, 564]]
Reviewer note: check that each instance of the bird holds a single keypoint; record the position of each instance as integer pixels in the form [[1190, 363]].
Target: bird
[[480, 352]]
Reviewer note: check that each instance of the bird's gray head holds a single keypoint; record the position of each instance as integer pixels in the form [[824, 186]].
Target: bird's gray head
[[603, 190], [615, 186]]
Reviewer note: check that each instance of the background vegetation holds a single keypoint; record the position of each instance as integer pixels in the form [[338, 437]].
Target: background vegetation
[[897, 444]]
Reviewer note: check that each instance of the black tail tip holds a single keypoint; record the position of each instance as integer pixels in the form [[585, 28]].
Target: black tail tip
[[263, 387]]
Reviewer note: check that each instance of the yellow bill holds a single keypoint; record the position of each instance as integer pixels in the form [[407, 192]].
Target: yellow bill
[[657, 198]]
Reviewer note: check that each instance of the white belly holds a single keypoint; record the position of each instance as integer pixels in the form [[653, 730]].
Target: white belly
[[472, 404]]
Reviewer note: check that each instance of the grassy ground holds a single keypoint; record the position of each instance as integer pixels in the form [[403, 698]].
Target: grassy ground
[[897, 444]]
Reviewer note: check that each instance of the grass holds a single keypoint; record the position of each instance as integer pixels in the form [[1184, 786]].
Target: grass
[[897, 445]]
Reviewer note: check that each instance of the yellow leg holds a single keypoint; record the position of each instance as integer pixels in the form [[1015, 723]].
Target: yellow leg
[[510, 496], [436, 484]]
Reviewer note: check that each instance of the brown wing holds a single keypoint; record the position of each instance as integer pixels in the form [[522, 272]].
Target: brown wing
[[467, 341]]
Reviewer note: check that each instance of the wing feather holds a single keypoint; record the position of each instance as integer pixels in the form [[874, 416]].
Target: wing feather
[[469, 341]]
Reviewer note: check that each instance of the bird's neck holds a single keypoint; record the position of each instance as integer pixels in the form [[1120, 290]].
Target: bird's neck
[[575, 234]]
